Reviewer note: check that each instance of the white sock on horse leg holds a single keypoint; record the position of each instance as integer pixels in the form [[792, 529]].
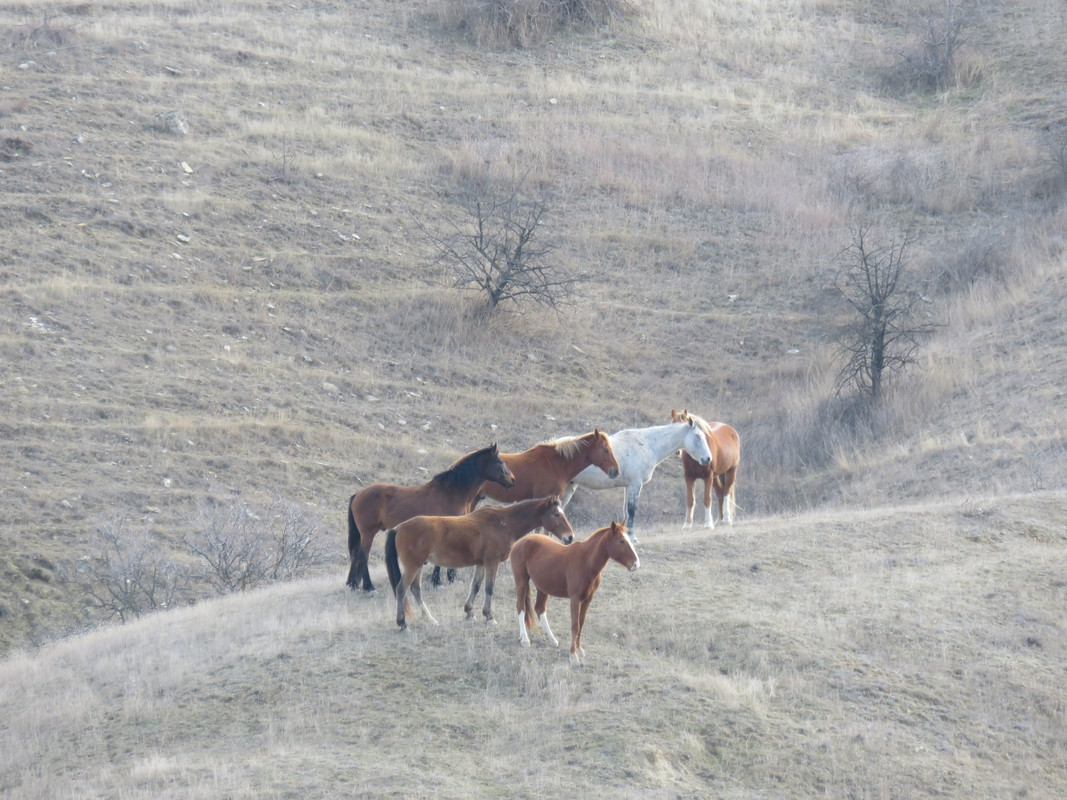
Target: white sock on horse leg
[[543, 619]]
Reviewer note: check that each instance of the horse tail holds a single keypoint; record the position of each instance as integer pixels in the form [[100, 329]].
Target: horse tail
[[353, 531], [392, 562]]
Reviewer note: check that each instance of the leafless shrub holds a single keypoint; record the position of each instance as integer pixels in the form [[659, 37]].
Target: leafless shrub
[[521, 23], [1054, 139], [933, 62], [982, 254], [130, 575], [500, 253], [238, 547], [882, 334]]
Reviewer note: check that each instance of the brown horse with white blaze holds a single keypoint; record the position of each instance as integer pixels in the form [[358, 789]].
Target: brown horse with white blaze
[[449, 493], [719, 475], [481, 539], [573, 571]]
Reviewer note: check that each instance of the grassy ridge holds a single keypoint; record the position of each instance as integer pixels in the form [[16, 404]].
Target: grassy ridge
[[910, 651]]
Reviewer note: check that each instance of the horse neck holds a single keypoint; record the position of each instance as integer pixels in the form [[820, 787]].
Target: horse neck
[[666, 439], [595, 550], [523, 517], [464, 493]]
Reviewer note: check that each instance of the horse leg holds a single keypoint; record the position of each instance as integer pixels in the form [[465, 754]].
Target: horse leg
[[581, 624], [709, 505], [541, 610], [490, 581], [728, 494], [476, 584], [690, 501], [522, 601], [435, 578], [416, 590], [401, 594], [633, 494], [576, 628]]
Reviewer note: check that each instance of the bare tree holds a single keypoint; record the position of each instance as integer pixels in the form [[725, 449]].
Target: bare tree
[[501, 254], [883, 334]]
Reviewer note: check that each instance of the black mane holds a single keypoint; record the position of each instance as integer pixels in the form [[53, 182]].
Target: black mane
[[467, 470]]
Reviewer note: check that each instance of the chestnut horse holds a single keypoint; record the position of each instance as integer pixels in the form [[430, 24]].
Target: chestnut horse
[[546, 469], [720, 474], [481, 539], [449, 493], [573, 571]]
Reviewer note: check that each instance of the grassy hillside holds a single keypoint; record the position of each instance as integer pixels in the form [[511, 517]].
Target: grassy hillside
[[247, 308], [913, 651]]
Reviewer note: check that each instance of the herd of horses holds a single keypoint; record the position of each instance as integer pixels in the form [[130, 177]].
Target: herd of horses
[[440, 522]]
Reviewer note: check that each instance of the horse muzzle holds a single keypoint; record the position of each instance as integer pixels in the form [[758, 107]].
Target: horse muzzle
[[635, 565], [613, 472], [706, 461]]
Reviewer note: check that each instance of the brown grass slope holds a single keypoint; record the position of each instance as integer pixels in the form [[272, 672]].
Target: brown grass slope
[[910, 651], [248, 311]]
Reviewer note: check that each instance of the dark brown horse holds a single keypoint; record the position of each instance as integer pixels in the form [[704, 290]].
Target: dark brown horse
[[481, 539], [449, 493], [573, 571], [545, 470], [720, 474]]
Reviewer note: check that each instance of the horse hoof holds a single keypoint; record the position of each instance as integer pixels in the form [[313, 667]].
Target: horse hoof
[[524, 642], [490, 621]]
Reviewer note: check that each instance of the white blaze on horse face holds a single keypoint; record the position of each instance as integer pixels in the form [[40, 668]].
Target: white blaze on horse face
[[696, 444], [637, 558]]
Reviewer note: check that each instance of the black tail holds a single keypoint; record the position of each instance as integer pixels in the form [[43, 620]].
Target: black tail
[[353, 531], [392, 563], [354, 567]]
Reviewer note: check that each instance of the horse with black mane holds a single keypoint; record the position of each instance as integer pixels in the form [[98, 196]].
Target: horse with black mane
[[384, 505]]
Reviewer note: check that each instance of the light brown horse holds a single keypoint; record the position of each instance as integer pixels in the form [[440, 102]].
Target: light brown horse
[[449, 493], [546, 469], [558, 571], [481, 539], [720, 474]]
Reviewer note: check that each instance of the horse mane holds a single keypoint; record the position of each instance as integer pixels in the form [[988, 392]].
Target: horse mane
[[568, 447], [701, 423], [465, 471]]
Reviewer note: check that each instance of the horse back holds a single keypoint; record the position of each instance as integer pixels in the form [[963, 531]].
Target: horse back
[[725, 445], [537, 474], [544, 560]]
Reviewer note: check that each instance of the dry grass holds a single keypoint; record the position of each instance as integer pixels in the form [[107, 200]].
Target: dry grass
[[248, 312], [913, 651]]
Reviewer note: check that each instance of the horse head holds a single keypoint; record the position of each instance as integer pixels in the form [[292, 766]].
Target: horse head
[[696, 443], [602, 455], [621, 548], [496, 470], [555, 521]]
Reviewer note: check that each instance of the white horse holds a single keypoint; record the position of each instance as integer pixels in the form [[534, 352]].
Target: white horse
[[639, 451]]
